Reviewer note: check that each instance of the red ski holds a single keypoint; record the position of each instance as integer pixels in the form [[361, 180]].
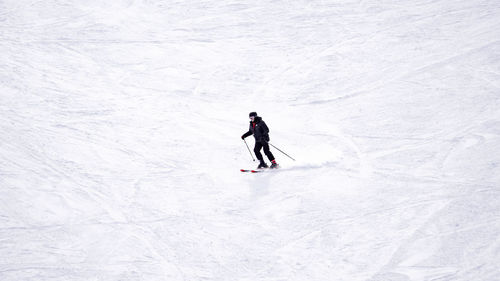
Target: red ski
[[254, 171]]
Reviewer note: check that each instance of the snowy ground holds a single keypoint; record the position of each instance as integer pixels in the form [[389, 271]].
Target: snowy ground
[[120, 140]]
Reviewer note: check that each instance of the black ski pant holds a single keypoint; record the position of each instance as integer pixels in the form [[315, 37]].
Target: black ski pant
[[258, 146]]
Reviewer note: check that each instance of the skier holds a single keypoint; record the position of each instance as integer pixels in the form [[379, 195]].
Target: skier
[[260, 131]]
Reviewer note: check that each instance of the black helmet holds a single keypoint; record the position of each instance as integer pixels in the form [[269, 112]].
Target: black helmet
[[254, 114]]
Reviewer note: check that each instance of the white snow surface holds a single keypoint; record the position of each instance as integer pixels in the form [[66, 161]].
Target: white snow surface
[[120, 149]]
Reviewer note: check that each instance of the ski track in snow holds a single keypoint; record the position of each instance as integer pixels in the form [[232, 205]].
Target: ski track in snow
[[120, 149]]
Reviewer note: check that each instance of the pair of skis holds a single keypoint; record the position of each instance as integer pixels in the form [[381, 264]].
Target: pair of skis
[[251, 171], [256, 171]]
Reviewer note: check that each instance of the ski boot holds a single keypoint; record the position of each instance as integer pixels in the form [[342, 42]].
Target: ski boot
[[274, 165], [262, 165]]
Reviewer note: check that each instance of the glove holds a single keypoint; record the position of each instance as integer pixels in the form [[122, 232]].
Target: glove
[[243, 137]]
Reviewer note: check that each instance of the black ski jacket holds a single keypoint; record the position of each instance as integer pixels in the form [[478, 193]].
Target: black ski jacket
[[258, 129]]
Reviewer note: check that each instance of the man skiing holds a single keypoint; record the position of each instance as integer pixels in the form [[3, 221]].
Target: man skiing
[[260, 131]]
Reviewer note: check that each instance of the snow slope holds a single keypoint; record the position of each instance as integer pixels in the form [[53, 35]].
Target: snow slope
[[120, 140]]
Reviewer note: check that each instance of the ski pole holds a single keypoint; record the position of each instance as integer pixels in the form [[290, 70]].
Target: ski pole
[[282, 151], [249, 150]]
